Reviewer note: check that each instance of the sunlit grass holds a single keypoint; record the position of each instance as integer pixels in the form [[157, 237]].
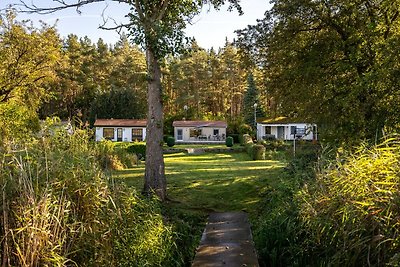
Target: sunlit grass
[[213, 182], [217, 146]]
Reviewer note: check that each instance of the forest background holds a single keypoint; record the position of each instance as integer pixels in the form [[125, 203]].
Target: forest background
[[88, 80], [337, 69]]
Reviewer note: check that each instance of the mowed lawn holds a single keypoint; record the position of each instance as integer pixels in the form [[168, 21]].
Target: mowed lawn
[[213, 182]]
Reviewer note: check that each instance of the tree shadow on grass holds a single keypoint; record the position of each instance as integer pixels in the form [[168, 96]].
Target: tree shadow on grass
[[219, 182]]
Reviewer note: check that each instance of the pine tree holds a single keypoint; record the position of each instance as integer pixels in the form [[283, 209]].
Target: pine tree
[[251, 97]]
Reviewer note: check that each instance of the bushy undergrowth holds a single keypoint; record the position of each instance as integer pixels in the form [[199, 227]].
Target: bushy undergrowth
[[114, 156], [138, 148], [258, 152], [278, 231], [343, 211], [352, 211], [58, 208], [275, 145]]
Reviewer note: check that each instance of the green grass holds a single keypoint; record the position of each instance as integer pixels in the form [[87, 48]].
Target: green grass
[[213, 182], [200, 184], [217, 146]]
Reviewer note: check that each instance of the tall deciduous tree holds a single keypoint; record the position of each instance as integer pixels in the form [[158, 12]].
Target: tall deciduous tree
[[158, 26], [333, 61], [28, 56]]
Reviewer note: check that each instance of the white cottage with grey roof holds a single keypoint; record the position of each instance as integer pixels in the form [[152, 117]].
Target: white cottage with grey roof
[[120, 130], [200, 131], [286, 129]]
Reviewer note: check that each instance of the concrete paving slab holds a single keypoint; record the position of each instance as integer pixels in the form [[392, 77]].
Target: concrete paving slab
[[226, 241]]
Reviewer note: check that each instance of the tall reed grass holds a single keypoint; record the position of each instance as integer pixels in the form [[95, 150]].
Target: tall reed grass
[[58, 208], [352, 212], [343, 212]]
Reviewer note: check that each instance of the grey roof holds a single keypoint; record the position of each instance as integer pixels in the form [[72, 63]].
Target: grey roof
[[120, 123]]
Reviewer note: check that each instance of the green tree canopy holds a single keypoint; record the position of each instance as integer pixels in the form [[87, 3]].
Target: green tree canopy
[[28, 57], [334, 62]]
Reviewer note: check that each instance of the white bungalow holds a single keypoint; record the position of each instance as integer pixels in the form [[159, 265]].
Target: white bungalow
[[286, 129], [200, 131], [120, 130]]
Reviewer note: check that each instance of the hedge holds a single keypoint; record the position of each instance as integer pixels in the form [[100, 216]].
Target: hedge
[[229, 141], [170, 141], [138, 148], [258, 152]]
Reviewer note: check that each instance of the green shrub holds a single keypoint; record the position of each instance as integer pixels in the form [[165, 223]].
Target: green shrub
[[115, 156], [229, 141], [165, 138], [139, 149], [275, 145], [246, 138], [269, 137], [171, 141], [128, 160], [247, 141], [258, 152], [245, 129], [249, 149]]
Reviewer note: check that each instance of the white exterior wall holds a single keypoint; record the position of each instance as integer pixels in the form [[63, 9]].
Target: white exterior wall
[[99, 133], [205, 131], [126, 133], [209, 131], [185, 133], [309, 131], [287, 129]]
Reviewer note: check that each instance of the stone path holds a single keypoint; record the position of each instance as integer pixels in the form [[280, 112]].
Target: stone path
[[226, 241]]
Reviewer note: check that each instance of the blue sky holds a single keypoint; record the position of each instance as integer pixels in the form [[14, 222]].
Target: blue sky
[[210, 28]]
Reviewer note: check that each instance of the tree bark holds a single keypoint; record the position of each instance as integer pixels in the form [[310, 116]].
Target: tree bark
[[155, 181]]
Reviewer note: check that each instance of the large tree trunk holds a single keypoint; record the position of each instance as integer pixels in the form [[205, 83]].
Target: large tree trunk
[[154, 181]]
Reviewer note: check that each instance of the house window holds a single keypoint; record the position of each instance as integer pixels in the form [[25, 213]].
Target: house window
[[267, 129], [195, 132], [108, 133], [137, 134], [292, 129], [179, 135], [216, 132]]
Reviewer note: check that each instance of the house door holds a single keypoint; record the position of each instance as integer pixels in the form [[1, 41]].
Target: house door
[[314, 132], [281, 132], [119, 134], [179, 135]]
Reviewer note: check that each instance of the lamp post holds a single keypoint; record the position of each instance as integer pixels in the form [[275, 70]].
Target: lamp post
[[255, 115], [185, 107]]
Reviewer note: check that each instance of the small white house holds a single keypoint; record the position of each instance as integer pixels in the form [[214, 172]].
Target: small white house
[[200, 131], [120, 130], [286, 129]]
